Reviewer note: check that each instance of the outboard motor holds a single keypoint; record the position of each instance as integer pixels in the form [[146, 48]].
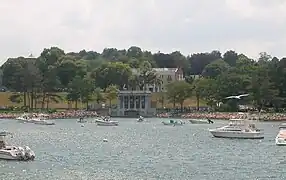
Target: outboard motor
[[21, 153], [210, 121], [29, 154]]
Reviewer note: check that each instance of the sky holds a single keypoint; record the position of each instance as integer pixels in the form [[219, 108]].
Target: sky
[[188, 26]]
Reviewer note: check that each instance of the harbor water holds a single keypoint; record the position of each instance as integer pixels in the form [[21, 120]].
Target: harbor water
[[147, 150]]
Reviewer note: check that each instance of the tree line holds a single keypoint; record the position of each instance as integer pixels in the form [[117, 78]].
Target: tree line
[[84, 75]]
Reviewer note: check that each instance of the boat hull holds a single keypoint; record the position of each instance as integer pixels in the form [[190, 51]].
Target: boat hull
[[280, 141], [8, 157], [199, 121], [237, 135], [140, 120], [41, 122], [25, 155], [172, 124], [106, 123]]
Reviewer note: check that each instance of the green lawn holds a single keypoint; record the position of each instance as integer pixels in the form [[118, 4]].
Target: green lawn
[[4, 101]]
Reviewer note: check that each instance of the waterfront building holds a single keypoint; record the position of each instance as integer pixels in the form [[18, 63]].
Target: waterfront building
[[134, 103]]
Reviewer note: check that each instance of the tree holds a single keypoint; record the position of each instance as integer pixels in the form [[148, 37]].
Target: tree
[[110, 73], [146, 76], [111, 93], [230, 57], [178, 92], [99, 98], [75, 90], [215, 68], [87, 90], [40, 79]]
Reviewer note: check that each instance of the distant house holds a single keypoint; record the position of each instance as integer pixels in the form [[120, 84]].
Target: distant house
[[166, 75]]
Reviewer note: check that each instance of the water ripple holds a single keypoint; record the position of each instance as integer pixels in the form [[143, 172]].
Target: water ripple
[[147, 150]]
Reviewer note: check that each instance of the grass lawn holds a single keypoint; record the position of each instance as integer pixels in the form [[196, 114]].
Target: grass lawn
[[4, 101]]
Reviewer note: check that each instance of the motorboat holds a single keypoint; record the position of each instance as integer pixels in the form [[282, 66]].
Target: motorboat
[[238, 128], [106, 121], [41, 119], [173, 123], [14, 152], [140, 119], [23, 118], [102, 118], [280, 139], [201, 121]]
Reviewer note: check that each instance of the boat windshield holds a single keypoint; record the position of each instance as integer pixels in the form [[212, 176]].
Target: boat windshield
[[236, 122], [282, 134]]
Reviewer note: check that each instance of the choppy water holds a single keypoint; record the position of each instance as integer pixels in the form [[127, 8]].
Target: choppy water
[[147, 150]]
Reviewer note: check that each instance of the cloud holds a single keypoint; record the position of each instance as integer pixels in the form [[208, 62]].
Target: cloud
[[248, 26]]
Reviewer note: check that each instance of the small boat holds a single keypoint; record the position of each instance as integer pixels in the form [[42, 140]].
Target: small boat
[[173, 123], [280, 139], [41, 119], [14, 152], [23, 118], [105, 121], [201, 121], [140, 119], [238, 128]]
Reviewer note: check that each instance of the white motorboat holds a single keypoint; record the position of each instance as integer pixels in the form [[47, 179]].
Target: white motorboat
[[23, 118], [105, 121], [238, 128], [201, 121], [41, 119], [140, 119], [14, 152], [280, 139], [42, 122], [173, 123]]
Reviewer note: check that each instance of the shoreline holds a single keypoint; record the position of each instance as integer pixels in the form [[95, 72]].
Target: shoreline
[[269, 117]]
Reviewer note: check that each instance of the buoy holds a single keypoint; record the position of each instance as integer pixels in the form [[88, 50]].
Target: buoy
[[82, 125], [105, 140]]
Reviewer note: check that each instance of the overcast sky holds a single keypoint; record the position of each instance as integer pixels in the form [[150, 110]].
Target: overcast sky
[[190, 26]]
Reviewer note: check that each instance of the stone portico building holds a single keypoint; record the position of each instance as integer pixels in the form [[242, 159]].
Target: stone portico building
[[134, 103]]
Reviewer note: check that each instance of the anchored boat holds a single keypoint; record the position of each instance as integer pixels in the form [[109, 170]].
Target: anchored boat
[[106, 121], [173, 123], [14, 152], [280, 139], [201, 121], [41, 119], [238, 128]]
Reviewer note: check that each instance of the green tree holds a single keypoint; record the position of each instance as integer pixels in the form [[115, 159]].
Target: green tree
[[178, 92], [215, 68], [87, 90], [111, 93], [99, 98]]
